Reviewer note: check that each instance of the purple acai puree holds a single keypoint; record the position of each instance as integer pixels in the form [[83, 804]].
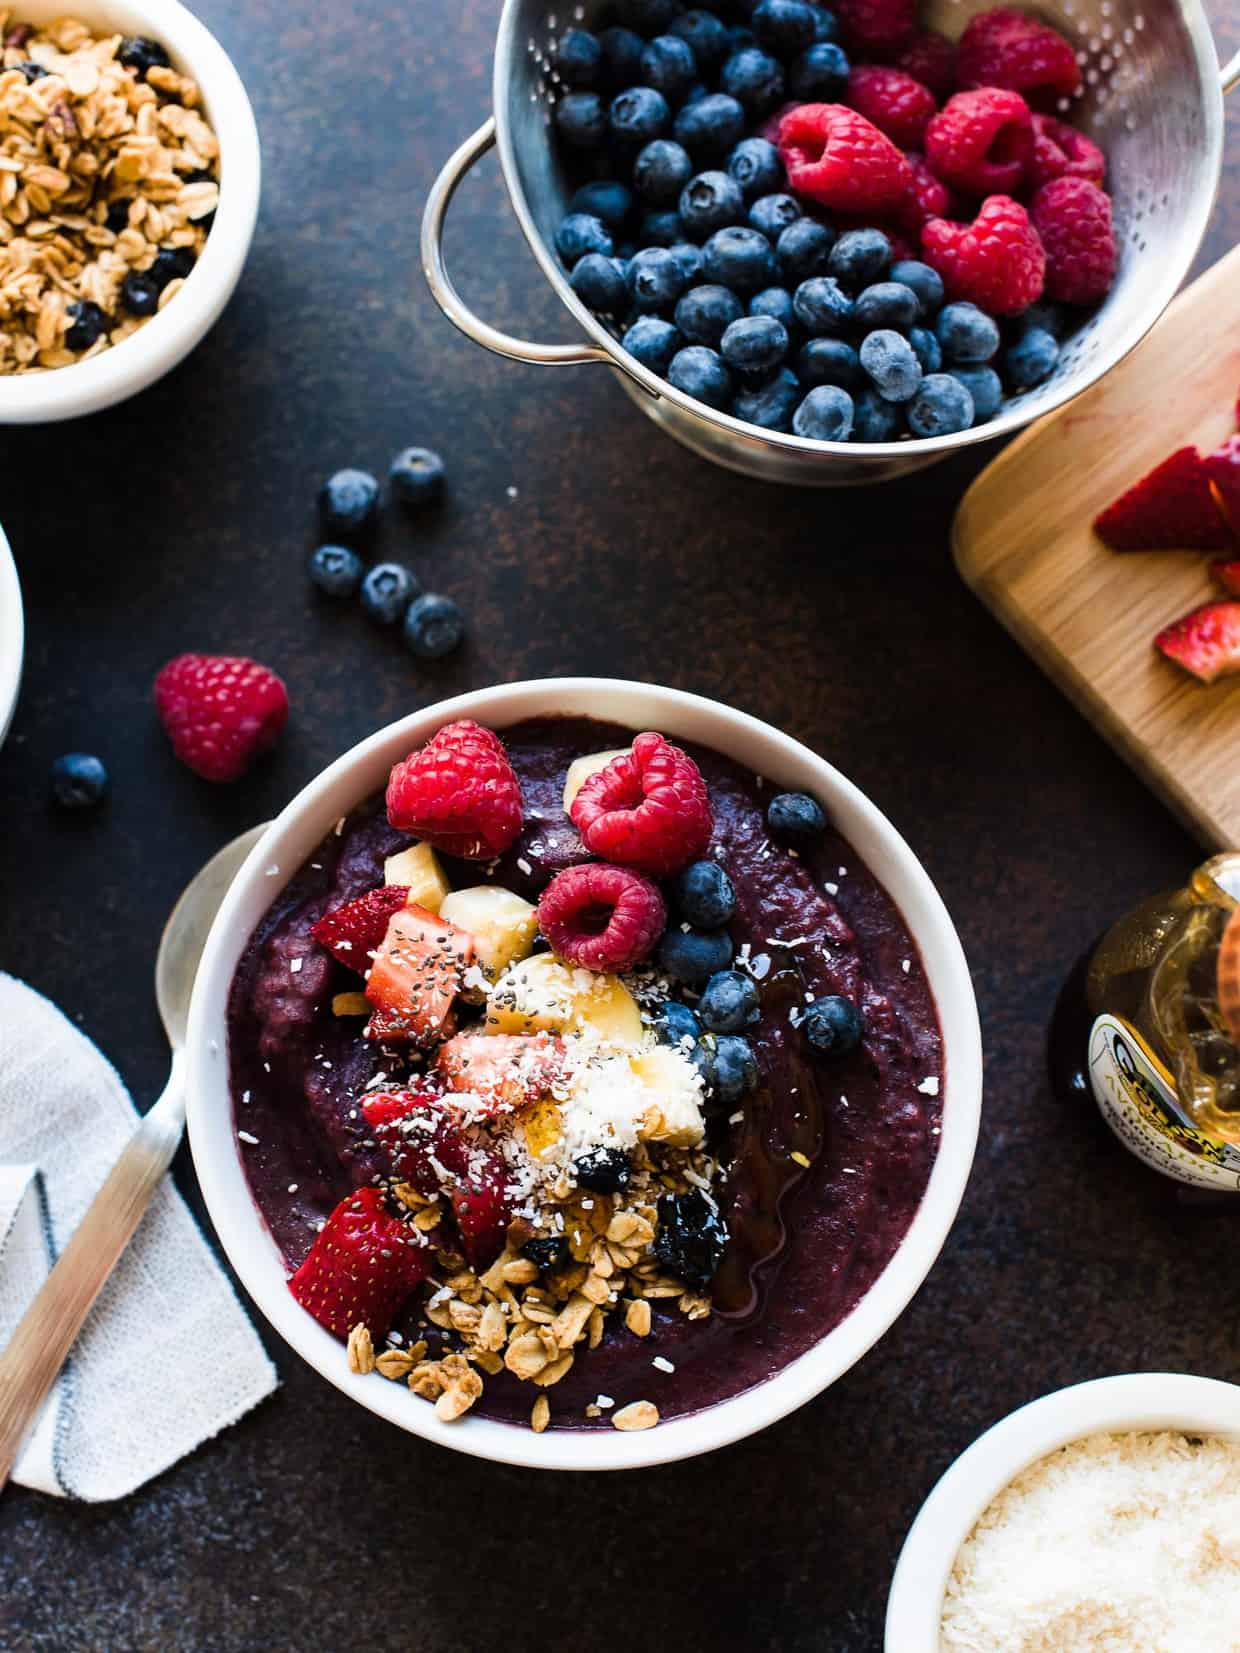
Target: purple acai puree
[[805, 1245]]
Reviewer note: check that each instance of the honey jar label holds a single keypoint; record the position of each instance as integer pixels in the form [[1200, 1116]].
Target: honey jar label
[[1140, 1105]]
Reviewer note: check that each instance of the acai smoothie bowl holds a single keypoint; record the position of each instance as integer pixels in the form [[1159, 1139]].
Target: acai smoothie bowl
[[583, 1074]]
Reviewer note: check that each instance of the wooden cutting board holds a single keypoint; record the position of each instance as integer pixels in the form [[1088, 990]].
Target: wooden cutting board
[[1023, 542]]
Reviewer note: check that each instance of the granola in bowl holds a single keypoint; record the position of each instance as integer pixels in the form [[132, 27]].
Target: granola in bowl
[[109, 180]]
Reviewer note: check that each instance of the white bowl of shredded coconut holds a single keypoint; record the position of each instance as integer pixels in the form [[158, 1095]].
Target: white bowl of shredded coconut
[[1104, 1518]]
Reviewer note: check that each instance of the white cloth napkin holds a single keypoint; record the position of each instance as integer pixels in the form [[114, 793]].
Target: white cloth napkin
[[167, 1357]]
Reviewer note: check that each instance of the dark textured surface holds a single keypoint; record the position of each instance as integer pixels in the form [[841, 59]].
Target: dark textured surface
[[180, 521]]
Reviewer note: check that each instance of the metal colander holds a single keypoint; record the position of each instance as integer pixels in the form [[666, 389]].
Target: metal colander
[[1152, 98]]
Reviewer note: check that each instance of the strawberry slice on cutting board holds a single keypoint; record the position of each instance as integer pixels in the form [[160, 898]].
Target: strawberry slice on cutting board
[[361, 1267], [418, 971], [1227, 574], [1205, 642], [1172, 508], [1223, 469]]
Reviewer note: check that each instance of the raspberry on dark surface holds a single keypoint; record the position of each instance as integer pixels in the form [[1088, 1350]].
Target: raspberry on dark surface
[[1073, 219], [1009, 49], [648, 808], [459, 793], [996, 262], [602, 917], [981, 142], [220, 711], [896, 103], [840, 159]]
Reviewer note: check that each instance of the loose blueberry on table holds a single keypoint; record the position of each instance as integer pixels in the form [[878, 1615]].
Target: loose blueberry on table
[[581, 1077], [833, 176]]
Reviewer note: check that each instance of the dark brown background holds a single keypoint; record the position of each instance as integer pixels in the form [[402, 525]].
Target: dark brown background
[[181, 520]]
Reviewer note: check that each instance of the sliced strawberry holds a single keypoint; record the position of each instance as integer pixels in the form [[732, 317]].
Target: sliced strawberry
[[353, 932], [1228, 575], [505, 1071], [361, 1267], [1223, 469], [417, 1134], [482, 1208], [1205, 642], [417, 973], [1170, 508]]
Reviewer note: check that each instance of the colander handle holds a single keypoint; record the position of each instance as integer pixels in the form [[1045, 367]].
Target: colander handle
[[440, 283], [1229, 74]]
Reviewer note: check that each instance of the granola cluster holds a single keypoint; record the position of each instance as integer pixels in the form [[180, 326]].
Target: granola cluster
[[106, 162]]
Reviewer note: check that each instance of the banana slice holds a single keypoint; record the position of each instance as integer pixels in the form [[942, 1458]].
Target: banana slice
[[502, 924], [541, 994], [675, 1112], [580, 770], [418, 866]]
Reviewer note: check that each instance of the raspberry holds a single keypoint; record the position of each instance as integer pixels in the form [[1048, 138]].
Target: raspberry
[[837, 157], [996, 262], [897, 104], [647, 809], [879, 26], [220, 711], [1060, 151], [601, 917], [981, 142], [459, 793], [928, 197], [1006, 48], [1073, 219], [931, 59]]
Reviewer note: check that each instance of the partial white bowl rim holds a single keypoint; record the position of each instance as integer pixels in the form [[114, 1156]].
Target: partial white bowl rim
[[12, 636], [85, 387], [1134, 1401], [363, 771]]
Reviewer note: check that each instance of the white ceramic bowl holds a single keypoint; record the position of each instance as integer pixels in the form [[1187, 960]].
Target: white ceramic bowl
[[12, 636], [1138, 1400], [67, 392], [363, 771]]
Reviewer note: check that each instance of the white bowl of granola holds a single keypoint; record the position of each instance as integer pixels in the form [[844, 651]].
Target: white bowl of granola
[[260, 1098], [130, 177]]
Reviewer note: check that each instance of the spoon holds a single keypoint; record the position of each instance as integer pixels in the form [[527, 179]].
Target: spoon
[[49, 1327]]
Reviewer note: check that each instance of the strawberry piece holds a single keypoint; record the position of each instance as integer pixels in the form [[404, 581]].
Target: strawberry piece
[[931, 59], [417, 973], [361, 1267], [649, 808], [220, 711], [1205, 642], [981, 142], [1060, 151], [1228, 575], [482, 1208], [1006, 48], [601, 917], [1073, 221], [504, 1071], [896, 103], [840, 159], [418, 1134], [1170, 508], [354, 932], [996, 262], [1223, 469], [459, 793]]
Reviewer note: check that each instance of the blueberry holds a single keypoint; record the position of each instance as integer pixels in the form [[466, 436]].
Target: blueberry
[[668, 64], [891, 363], [171, 264], [336, 570], [86, 323], [771, 405], [387, 591], [704, 895], [579, 234], [742, 36], [875, 420], [775, 302], [985, 387], [826, 415], [139, 294], [925, 282], [548, 1251], [1049, 317], [1031, 359], [757, 168], [784, 26], [710, 128], [605, 198], [648, 16], [833, 1025], [676, 1023], [653, 343], [661, 228], [826, 27], [696, 93], [729, 1002], [701, 372], [740, 258], [655, 279], [967, 334], [820, 74], [711, 202], [941, 407], [581, 120], [32, 71], [859, 258], [706, 36], [79, 781], [886, 304], [689, 258], [704, 313], [117, 217], [795, 819], [622, 58], [661, 171], [416, 476], [348, 504], [434, 626], [639, 115], [690, 1237], [926, 348], [137, 51], [771, 215], [754, 79], [605, 1171], [693, 956], [803, 250], [600, 285], [822, 305], [578, 57], [755, 345], [830, 362], [733, 1070]]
